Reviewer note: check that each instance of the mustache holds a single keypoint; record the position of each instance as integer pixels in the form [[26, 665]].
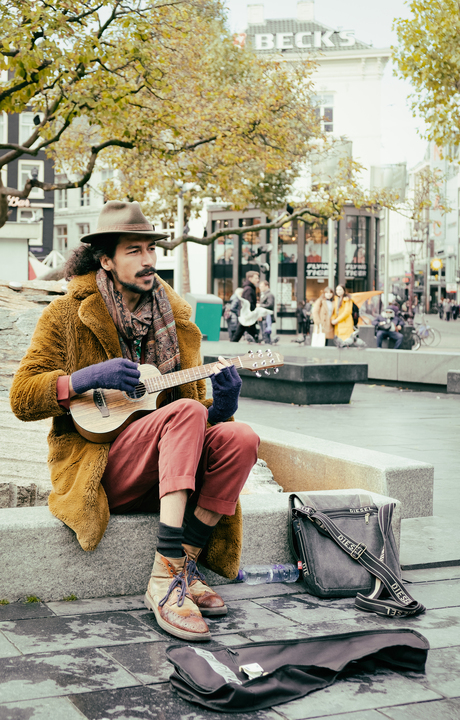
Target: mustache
[[147, 271]]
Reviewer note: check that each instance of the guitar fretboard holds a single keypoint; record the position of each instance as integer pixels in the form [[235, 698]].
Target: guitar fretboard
[[163, 382]]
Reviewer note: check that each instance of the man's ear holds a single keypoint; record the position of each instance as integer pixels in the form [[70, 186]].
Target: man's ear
[[106, 262]]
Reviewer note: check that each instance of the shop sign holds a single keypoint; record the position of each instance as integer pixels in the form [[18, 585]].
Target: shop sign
[[451, 287], [355, 270], [14, 201], [317, 269], [304, 40]]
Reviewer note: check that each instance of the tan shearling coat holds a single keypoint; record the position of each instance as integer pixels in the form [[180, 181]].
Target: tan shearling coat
[[321, 317], [73, 332]]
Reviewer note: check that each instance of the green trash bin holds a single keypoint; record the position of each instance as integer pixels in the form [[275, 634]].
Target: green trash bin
[[206, 313]]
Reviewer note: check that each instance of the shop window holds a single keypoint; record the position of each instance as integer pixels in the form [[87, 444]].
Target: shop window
[[224, 246], [250, 241], [324, 111], [169, 226], [4, 139], [287, 250], [356, 235], [61, 238]]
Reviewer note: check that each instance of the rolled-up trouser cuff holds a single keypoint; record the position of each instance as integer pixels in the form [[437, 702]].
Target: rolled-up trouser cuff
[[223, 507], [170, 485]]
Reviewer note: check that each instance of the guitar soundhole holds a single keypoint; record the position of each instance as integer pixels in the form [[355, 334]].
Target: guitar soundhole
[[138, 392]]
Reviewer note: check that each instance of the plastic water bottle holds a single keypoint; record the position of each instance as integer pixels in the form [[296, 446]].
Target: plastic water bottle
[[259, 574]]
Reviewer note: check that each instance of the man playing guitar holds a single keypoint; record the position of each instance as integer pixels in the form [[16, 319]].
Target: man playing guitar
[[183, 460]]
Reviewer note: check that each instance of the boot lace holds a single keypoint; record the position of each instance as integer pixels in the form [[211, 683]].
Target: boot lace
[[177, 581], [193, 573]]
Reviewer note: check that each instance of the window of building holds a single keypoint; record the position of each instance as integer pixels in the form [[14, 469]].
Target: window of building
[[4, 139], [60, 242], [27, 126], [356, 234], [27, 215], [324, 111], [106, 174], [223, 246], [85, 196], [169, 226], [83, 229], [29, 169], [61, 199]]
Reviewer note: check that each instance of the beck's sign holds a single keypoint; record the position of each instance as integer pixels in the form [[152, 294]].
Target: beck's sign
[[304, 40]]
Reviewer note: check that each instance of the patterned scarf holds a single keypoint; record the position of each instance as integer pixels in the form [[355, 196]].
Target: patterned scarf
[[153, 318]]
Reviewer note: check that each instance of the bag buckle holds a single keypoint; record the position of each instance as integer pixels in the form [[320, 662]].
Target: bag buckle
[[358, 551]]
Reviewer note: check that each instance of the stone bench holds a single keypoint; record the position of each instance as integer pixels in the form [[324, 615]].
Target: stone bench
[[304, 382], [41, 556], [453, 381]]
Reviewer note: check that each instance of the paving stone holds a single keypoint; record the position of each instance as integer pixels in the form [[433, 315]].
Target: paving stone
[[152, 703], [309, 630], [437, 595], [243, 591], [431, 574], [244, 617], [443, 672], [147, 662], [308, 609], [96, 605], [7, 649], [362, 691], [440, 627], [48, 709], [441, 710], [54, 674], [75, 631], [24, 610]]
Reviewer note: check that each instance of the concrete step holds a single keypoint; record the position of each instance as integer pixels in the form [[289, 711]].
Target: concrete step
[[429, 542]]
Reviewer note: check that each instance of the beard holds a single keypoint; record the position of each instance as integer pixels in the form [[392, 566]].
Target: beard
[[132, 286]]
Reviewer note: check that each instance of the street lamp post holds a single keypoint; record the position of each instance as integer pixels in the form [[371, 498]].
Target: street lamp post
[[413, 245]]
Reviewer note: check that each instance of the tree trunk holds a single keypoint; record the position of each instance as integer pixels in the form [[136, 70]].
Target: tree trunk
[[185, 271]]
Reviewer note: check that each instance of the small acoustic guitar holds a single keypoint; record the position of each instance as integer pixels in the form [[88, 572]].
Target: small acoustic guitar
[[100, 415]]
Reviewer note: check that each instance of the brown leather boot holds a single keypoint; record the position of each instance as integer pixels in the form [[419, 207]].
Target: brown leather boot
[[168, 596], [208, 601]]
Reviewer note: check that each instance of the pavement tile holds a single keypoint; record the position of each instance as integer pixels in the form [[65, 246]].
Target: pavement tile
[[246, 615], [438, 595], [362, 691], [308, 630], [62, 633], [7, 649], [243, 591], [442, 672], [440, 627], [155, 702], [308, 609], [96, 605], [431, 574], [440, 709], [53, 674], [48, 709], [148, 661], [22, 611]]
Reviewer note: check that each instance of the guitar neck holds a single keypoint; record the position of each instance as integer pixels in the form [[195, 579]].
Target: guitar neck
[[163, 382]]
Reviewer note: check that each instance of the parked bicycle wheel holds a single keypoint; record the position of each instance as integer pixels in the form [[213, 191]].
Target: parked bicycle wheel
[[437, 337], [428, 337], [416, 342]]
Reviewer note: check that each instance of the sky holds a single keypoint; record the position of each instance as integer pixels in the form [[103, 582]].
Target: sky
[[372, 22]]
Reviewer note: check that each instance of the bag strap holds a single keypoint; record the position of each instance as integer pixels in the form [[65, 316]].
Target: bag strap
[[399, 602]]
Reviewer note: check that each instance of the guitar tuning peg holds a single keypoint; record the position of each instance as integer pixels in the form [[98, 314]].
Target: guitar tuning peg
[[258, 374], [276, 370], [267, 373]]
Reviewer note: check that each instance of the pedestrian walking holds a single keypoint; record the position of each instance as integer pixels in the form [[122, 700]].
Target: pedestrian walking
[[234, 310], [322, 313], [249, 293], [267, 301], [440, 309], [455, 310], [447, 309], [342, 314]]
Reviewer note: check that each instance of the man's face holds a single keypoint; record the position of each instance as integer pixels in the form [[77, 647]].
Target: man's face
[[255, 279], [133, 265]]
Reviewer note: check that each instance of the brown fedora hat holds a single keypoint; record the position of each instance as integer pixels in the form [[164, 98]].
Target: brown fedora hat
[[123, 218]]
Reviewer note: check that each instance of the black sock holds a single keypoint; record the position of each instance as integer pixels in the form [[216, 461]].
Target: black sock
[[170, 541], [196, 533]]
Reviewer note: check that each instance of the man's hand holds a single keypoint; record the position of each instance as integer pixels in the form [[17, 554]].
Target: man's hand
[[115, 374], [398, 328], [226, 386]]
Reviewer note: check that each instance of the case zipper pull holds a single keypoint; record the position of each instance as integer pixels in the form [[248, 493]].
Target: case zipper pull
[[366, 518]]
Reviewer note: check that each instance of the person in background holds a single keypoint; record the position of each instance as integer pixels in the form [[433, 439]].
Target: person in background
[[447, 309], [322, 313], [342, 314], [388, 325], [234, 311], [440, 309], [303, 321], [454, 310], [267, 300], [250, 286]]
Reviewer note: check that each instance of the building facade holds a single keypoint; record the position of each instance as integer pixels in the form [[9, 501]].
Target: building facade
[[29, 227]]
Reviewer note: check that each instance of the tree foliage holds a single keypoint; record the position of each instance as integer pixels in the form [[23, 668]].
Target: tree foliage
[[428, 54]]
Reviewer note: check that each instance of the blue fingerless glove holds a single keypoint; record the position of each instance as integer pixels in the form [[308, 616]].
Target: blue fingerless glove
[[226, 387], [115, 374]]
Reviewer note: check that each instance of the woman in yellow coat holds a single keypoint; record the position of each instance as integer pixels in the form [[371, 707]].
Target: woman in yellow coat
[[342, 315]]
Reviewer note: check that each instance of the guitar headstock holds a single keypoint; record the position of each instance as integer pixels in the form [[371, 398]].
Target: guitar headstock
[[262, 360]]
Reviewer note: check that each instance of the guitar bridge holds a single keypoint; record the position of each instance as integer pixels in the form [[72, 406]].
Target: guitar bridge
[[99, 401]]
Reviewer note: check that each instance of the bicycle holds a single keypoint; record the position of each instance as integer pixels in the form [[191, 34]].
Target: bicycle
[[425, 334]]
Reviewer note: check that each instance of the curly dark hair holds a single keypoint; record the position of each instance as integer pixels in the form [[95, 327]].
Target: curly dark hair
[[86, 258]]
